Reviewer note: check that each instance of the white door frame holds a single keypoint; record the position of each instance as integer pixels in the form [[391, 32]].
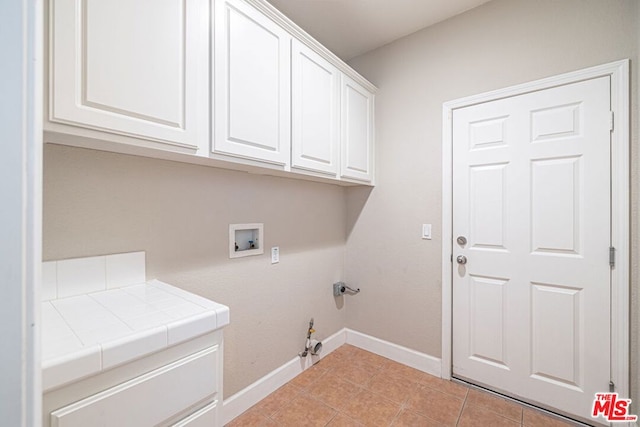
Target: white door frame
[[620, 231], [21, 80]]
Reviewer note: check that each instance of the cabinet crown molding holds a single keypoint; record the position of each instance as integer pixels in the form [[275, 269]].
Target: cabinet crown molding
[[269, 10]]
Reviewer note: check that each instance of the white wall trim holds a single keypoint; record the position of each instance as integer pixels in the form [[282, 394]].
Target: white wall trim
[[619, 73], [249, 396], [420, 361], [21, 79], [275, 15], [252, 394], [447, 239]]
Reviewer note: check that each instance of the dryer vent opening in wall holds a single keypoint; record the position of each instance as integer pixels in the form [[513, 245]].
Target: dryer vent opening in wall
[[245, 240]]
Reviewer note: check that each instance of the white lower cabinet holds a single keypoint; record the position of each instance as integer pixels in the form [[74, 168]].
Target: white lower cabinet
[[205, 417], [182, 392]]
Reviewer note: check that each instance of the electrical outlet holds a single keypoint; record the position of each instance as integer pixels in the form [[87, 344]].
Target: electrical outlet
[[275, 255]]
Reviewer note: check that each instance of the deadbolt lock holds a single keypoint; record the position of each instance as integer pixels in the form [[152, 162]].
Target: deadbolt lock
[[461, 240]]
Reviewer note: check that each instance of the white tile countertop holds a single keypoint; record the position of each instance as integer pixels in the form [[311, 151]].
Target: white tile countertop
[[85, 334]]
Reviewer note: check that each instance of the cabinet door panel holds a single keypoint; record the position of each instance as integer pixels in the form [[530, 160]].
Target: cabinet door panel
[[128, 51], [357, 131], [252, 77], [131, 66], [315, 111]]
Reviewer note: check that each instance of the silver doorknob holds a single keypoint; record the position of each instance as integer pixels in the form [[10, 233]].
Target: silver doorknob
[[461, 259]]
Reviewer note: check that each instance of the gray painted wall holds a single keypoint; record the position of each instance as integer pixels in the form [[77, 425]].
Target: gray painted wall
[[99, 203], [499, 44]]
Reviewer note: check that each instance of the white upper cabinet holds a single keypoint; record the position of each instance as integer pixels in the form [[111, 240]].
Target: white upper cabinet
[[357, 131], [137, 68], [315, 112], [226, 83], [252, 104]]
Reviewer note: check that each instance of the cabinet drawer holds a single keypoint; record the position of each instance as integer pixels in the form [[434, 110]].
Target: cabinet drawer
[[148, 399], [205, 417]]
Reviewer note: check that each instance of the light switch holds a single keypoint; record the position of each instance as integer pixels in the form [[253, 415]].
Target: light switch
[[275, 255], [426, 231]]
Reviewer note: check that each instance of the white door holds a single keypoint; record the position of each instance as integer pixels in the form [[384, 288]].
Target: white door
[[132, 67], [357, 131], [252, 84], [531, 196], [315, 111]]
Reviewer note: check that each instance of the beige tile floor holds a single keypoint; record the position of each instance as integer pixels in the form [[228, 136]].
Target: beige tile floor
[[353, 387]]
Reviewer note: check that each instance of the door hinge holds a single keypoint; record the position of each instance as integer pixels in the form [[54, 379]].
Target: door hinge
[[612, 256], [611, 120], [451, 258], [612, 387]]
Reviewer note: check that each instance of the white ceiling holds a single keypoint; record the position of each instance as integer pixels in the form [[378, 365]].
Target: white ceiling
[[352, 27]]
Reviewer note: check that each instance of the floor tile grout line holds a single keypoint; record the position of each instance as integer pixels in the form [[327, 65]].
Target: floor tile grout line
[[387, 367], [464, 403], [524, 405], [393, 420], [332, 418]]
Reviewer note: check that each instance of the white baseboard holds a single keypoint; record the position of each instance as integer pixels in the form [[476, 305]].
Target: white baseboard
[[249, 396], [420, 361]]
